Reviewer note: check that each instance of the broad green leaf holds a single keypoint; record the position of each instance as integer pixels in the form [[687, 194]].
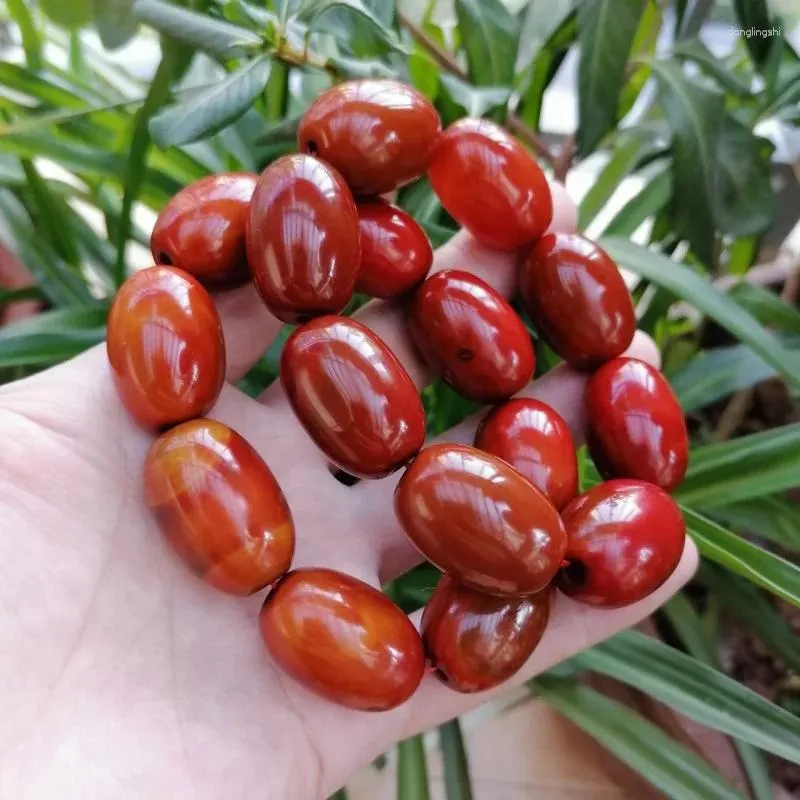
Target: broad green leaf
[[31, 41], [490, 35], [741, 255], [214, 108], [51, 336], [638, 69], [473, 101], [766, 307], [457, 784], [653, 197], [699, 292], [750, 466], [771, 518], [606, 32], [749, 606], [754, 14], [424, 72], [630, 148], [359, 68], [643, 746], [412, 770], [694, 50], [542, 19], [717, 544], [420, 201], [695, 116], [213, 36], [696, 690], [314, 12], [69, 15], [285, 131], [116, 25]]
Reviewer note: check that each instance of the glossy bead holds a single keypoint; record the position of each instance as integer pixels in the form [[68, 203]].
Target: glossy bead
[[201, 230], [303, 243], [395, 252], [165, 347], [478, 519], [379, 134], [490, 184], [577, 299], [219, 506], [635, 425], [469, 334], [476, 641], [343, 639], [535, 440], [625, 539], [353, 396]]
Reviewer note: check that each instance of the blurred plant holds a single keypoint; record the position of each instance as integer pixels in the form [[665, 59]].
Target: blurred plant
[[85, 146]]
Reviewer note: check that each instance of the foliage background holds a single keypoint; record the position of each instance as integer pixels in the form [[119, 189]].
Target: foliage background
[[90, 150]]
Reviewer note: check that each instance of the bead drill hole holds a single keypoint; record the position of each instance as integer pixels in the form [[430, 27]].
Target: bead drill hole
[[163, 258], [344, 477], [311, 147], [575, 573], [465, 354]]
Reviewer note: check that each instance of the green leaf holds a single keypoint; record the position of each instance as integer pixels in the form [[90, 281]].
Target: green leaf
[[490, 35], [412, 770], [695, 116], [696, 690], [70, 15], [766, 307], [457, 784], [754, 14], [210, 35], [695, 51], [759, 566], [652, 198], [16, 295], [691, 23], [542, 19], [771, 518], [699, 292], [686, 623], [474, 101], [313, 11], [51, 337], [31, 41], [638, 69], [212, 109], [749, 606], [116, 25], [741, 255], [667, 764], [606, 32], [750, 466]]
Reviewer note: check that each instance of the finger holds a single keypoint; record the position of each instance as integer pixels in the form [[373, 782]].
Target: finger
[[562, 388]]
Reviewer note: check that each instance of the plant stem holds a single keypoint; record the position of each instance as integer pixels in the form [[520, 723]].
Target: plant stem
[[520, 129], [563, 160], [441, 56]]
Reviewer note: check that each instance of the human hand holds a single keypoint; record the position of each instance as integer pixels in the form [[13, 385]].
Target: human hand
[[122, 674]]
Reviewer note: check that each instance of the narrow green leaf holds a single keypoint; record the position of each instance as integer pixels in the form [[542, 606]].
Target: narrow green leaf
[[699, 292], [696, 690], [31, 41], [653, 197], [412, 770], [542, 19], [741, 254], [474, 101], [766, 307], [750, 466], [340, 795], [756, 769], [115, 22], [691, 23], [70, 16], [759, 566], [667, 764], [490, 36], [606, 32], [686, 623], [313, 12], [695, 51], [638, 69], [51, 337], [16, 295], [209, 111], [695, 116], [772, 518], [754, 14], [210, 35], [457, 783]]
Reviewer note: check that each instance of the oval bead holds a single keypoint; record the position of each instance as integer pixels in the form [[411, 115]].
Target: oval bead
[[352, 396], [379, 134], [395, 252], [635, 424], [303, 242], [625, 539], [219, 506], [478, 519], [165, 347], [577, 299], [490, 184], [342, 639], [476, 641], [470, 335], [201, 230], [534, 439]]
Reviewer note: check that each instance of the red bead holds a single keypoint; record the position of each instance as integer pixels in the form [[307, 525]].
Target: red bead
[[378, 133], [303, 243], [219, 506], [635, 425], [535, 440], [201, 230], [476, 641], [395, 252], [165, 347], [478, 519], [353, 396], [342, 639], [577, 299], [469, 334], [625, 539], [490, 184]]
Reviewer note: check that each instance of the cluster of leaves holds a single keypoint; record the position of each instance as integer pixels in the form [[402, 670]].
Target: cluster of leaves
[[233, 80]]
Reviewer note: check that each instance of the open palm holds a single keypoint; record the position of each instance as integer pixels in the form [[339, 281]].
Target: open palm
[[122, 675]]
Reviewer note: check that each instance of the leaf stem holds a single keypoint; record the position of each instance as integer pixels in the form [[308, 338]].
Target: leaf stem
[[442, 57], [520, 129]]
